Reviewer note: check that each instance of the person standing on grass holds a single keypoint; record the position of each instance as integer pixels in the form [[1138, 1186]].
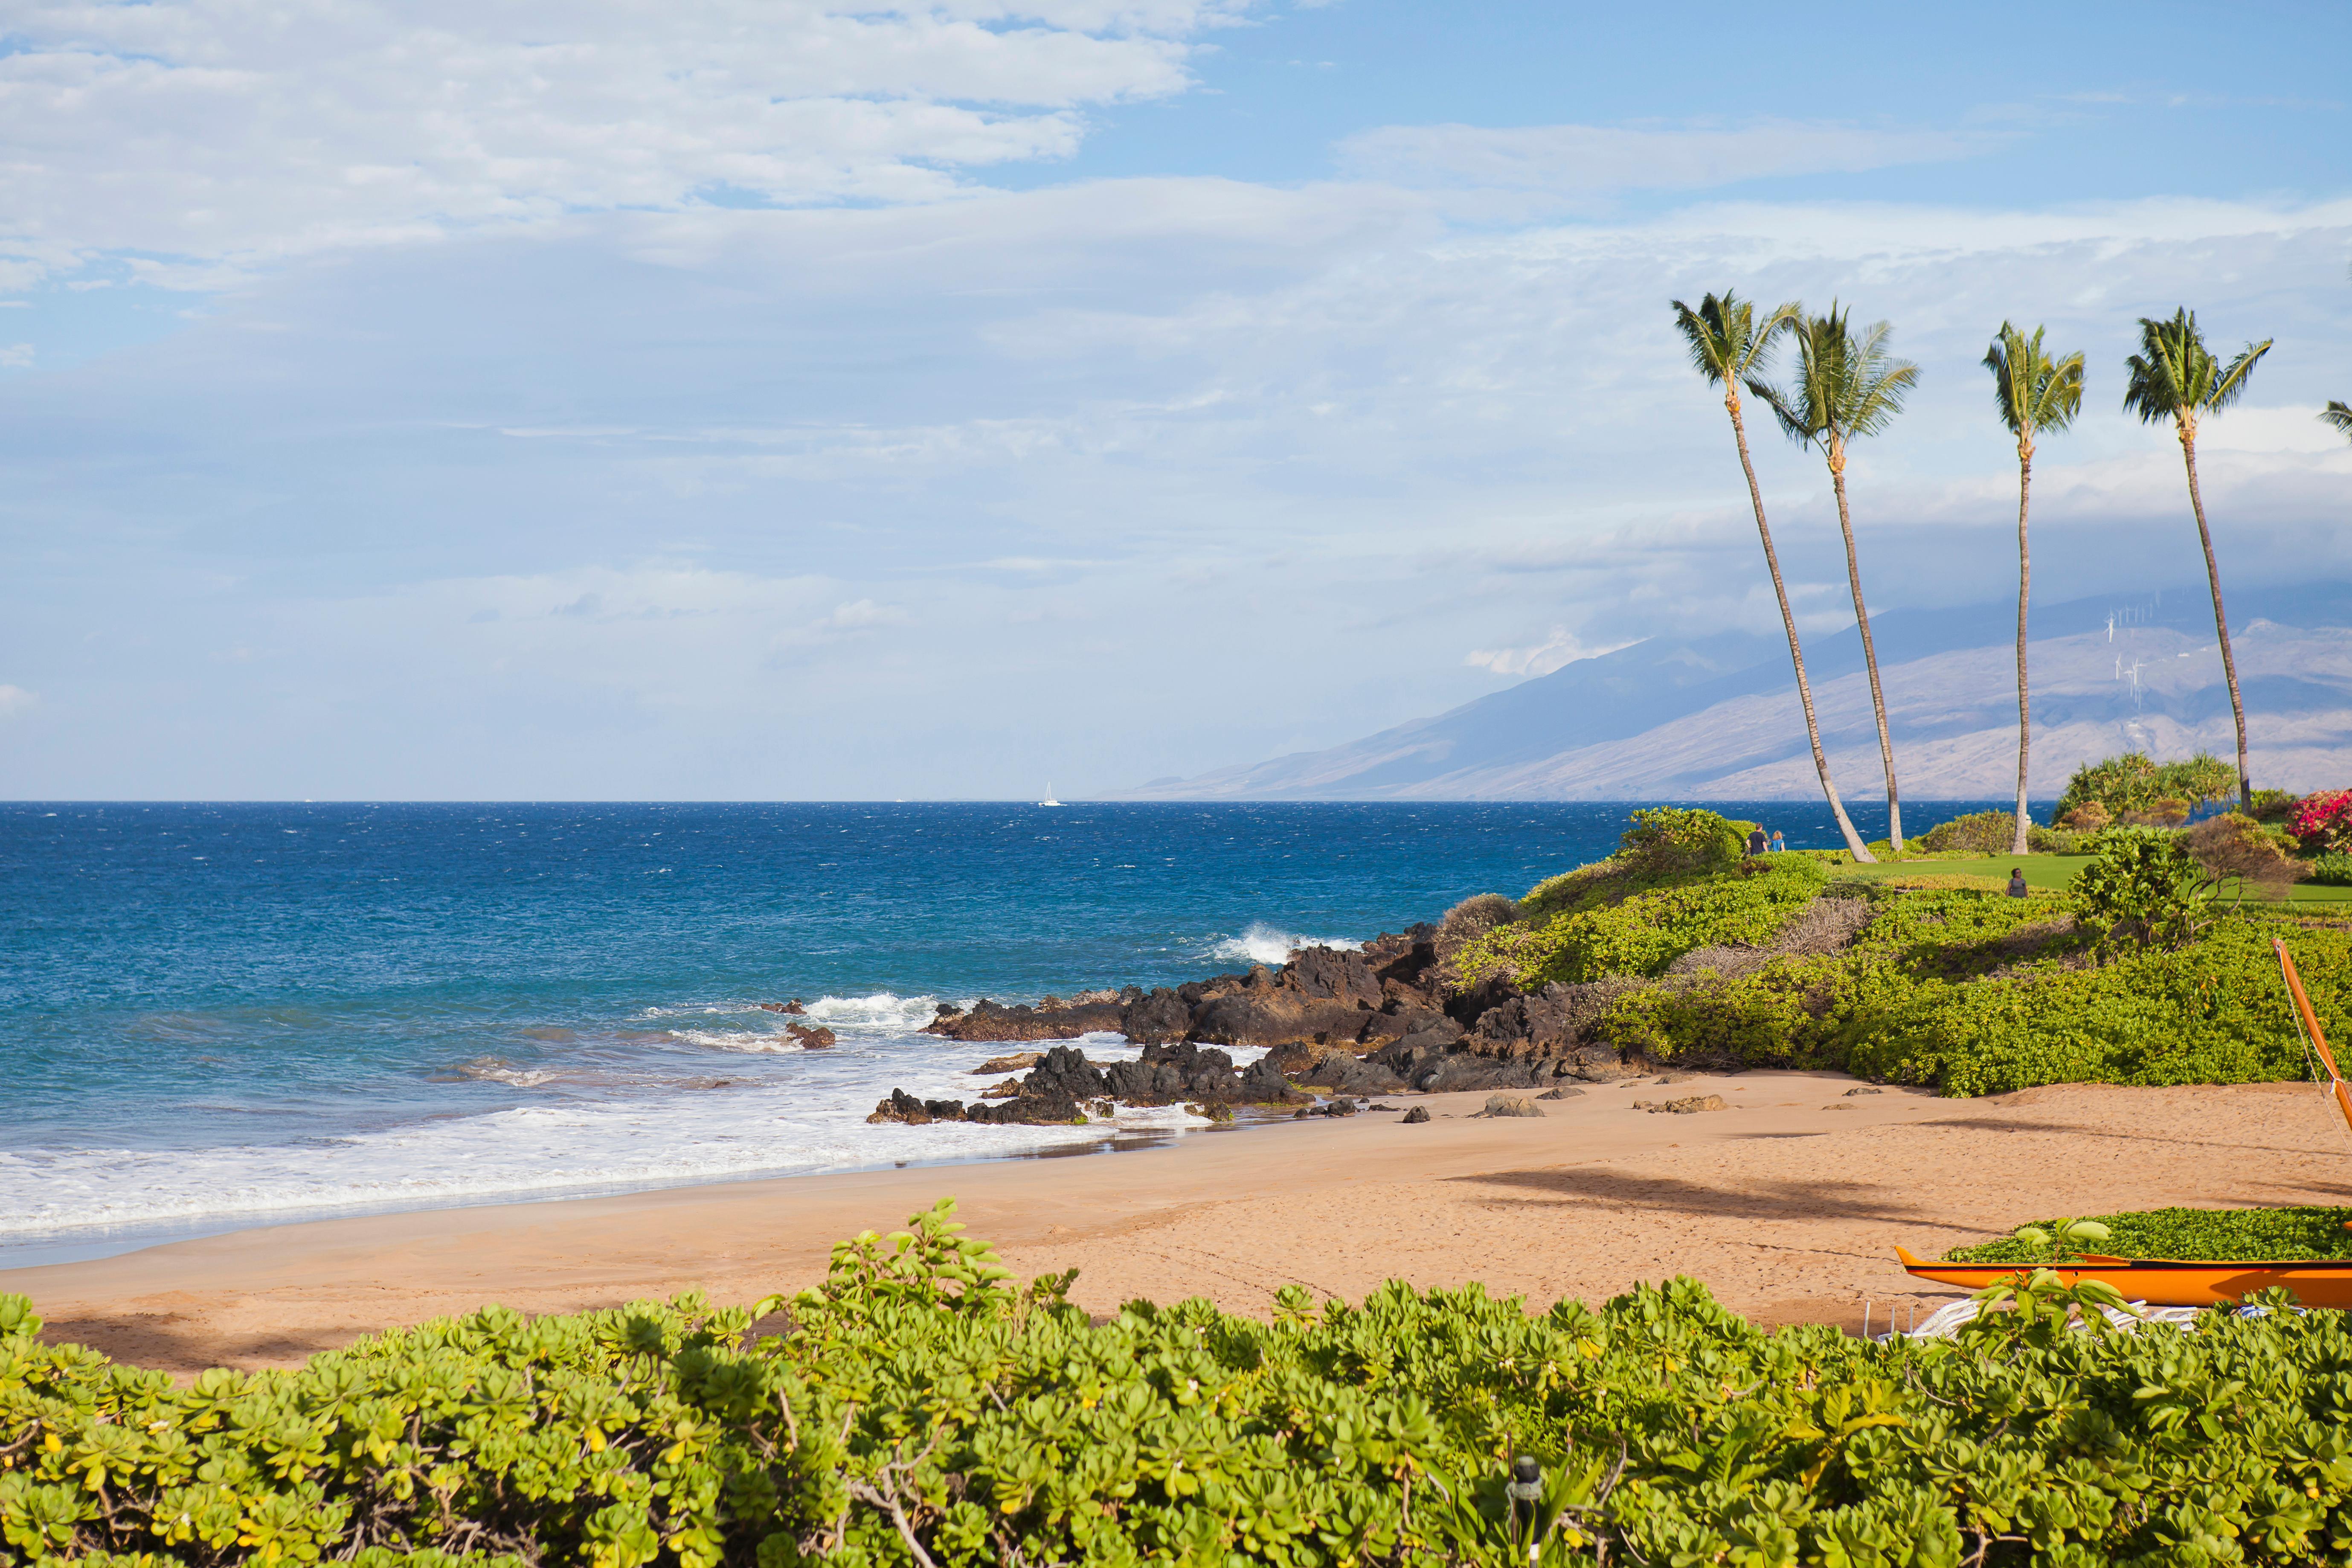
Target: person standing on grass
[[1756, 842], [1778, 844], [2017, 888]]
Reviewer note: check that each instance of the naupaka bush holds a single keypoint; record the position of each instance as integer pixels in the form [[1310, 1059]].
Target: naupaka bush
[[919, 1409]]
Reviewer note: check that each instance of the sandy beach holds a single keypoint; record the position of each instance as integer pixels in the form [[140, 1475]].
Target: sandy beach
[[1788, 1205]]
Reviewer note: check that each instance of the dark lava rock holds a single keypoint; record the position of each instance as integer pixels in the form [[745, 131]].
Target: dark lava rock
[[1461, 1071], [1019, 1062], [792, 1006], [1418, 1113], [901, 1106], [1063, 1073], [1356, 1075], [1155, 1018], [819, 1038], [1560, 1094], [1262, 1083], [992, 1021], [1172, 1073]]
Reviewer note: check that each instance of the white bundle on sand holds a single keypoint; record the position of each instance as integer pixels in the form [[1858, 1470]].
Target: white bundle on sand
[[1945, 1321]]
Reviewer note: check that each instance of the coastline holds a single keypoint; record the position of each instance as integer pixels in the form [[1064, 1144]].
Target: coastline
[[1788, 1206]]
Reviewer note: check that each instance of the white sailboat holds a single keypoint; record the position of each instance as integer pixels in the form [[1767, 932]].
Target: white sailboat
[[1049, 799]]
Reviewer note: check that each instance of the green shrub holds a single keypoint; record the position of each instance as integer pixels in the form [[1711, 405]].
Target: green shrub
[[2135, 785], [2143, 886], [2043, 840], [921, 1410], [2331, 870], [1976, 993], [1588, 926], [1666, 839], [2274, 805], [2221, 1235], [1978, 833]]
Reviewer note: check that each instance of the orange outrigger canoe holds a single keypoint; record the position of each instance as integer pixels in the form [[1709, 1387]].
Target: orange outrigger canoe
[[2169, 1282], [2161, 1281]]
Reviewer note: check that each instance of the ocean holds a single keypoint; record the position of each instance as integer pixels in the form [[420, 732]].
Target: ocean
[[218, 1015]]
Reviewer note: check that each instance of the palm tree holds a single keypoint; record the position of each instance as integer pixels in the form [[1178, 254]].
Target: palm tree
[[1727, 345], [1846, 388], [2035, 393], [2340, 416], [2175, 376]]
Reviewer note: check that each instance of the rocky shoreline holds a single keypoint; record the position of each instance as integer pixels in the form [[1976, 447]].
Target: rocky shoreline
[[1373, 1021]]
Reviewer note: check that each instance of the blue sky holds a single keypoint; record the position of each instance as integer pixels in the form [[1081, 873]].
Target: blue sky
[[831, 401]]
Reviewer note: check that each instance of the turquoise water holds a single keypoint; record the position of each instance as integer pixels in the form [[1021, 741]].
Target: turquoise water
[[225, 1015]]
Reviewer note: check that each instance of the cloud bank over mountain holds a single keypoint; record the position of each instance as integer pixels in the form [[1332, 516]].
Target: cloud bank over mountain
[[1718, 717]]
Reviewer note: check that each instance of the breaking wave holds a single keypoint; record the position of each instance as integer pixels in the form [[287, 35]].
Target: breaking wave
[[882, 1010], [1262, 943], [738, 1040], [490, 1070]]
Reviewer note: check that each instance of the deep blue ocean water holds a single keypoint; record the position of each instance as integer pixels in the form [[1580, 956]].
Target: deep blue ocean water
[[220, 1014]]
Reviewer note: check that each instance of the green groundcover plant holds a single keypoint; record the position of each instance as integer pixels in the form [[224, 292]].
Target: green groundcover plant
[[1977, 994], [2220, 1236], [1678, 881], [2142, 973], [921, 1410]]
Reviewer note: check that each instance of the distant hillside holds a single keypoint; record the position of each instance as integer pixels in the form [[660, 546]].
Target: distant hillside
[[1718, 717]]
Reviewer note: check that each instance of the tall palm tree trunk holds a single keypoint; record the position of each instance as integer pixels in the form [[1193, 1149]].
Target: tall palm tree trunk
[[2220, 621], [1869, 652], [1854, 843], [2018, 845]]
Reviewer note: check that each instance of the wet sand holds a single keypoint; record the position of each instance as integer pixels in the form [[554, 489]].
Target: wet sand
[[1789, 1205]]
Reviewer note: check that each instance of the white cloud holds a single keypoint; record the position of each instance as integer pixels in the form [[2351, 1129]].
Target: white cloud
[[15, 700], [1560, 649], [1157, 438], [2249, 430], [862, 615], [203, 133], [17, 356], [1594, 158]]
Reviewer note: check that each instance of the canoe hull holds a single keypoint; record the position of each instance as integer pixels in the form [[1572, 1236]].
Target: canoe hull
[[2163, 1282]]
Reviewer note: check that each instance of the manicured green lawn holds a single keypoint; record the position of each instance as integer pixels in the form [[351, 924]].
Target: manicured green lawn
[[2055, 871], [2041, 870]]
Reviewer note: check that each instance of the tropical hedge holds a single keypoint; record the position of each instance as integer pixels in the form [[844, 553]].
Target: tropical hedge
[[919, 1409], [2153, 969]]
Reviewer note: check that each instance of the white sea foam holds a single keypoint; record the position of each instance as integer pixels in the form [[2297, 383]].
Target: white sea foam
[[609, 1110], [489, 1069], [883, 1010], [760, 1040], [601, 1125], [1262, 943]]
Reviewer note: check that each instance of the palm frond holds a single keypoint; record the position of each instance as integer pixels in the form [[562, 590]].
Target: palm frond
[[1795, 420], [2230, 383], [2033, 391], [1874, 383], [2160, 380], [1797, 406], [2059, 397], [2008, 359], [1726, 340], [2339, 416]]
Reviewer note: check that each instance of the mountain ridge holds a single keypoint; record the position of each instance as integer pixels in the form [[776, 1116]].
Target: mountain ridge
[[1716, 716]]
